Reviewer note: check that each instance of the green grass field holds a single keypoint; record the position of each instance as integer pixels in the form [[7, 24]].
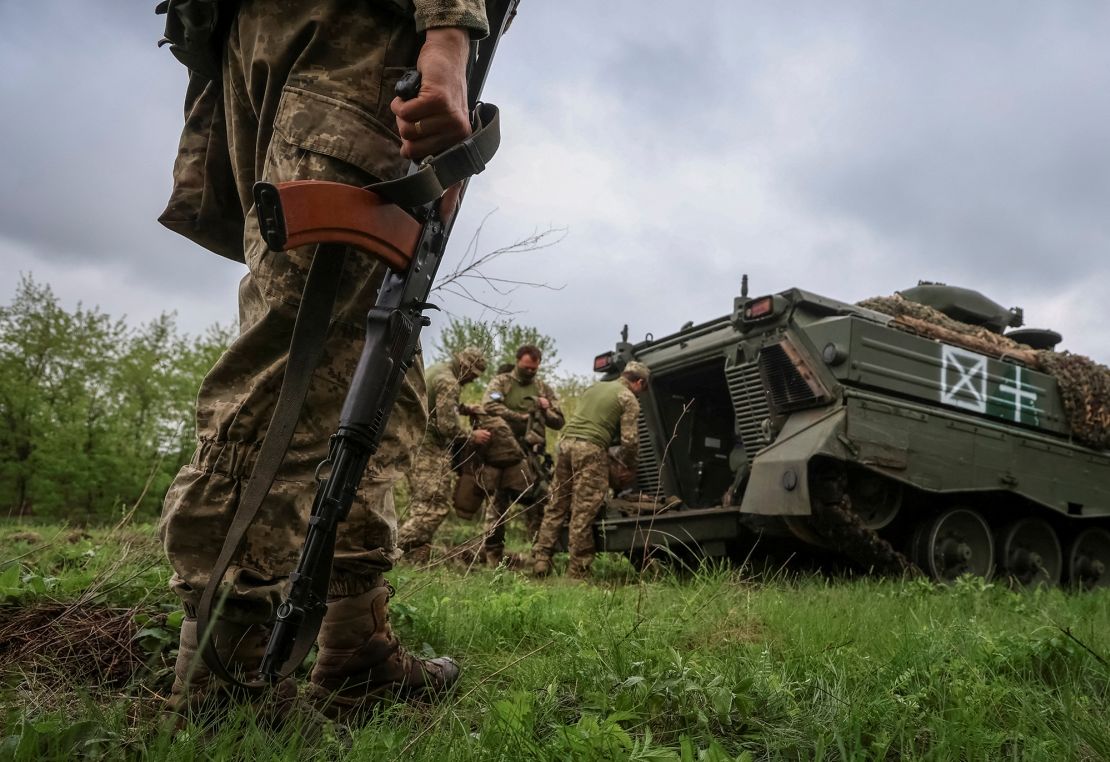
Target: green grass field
[[713, 666]]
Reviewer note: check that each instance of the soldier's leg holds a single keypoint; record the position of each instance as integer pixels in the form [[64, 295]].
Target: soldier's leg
[[430, 483], [237, 397], [590, 487], [533, 514], [538, 495], [556, 512], [497, 514]]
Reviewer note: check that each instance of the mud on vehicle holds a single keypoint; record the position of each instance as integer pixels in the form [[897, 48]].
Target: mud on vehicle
[[918, 438]]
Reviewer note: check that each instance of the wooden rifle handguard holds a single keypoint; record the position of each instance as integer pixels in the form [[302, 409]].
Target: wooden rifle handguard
[[305, 212]]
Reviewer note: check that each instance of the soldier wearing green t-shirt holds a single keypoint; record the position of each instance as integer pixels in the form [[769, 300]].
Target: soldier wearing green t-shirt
[[606, 412]]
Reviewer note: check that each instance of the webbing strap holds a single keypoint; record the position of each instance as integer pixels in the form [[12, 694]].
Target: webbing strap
[[437, 173], [305, 351]]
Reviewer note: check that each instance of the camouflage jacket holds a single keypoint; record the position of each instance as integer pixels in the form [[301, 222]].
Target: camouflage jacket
[[510, 398], [444, 426], [206, 206], [469, 14]]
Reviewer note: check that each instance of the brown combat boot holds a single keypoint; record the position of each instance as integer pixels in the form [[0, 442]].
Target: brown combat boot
[[418, 555], [493, 556], [541, 566], [361, 662], [197, 692], [578, 570]]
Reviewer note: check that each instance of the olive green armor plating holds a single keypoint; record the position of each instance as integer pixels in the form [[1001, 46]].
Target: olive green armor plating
[[959, 455]]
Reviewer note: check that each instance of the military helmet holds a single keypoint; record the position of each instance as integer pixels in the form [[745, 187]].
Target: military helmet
[[471, 358]]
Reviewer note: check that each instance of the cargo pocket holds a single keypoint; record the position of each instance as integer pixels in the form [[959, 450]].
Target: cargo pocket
[[319, 136], [331, 128]]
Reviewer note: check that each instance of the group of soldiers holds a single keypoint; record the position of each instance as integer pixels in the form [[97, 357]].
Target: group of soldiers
[[501, 459]]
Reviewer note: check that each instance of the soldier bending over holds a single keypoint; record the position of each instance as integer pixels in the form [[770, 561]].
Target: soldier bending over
[[430, 479], [605, 410]]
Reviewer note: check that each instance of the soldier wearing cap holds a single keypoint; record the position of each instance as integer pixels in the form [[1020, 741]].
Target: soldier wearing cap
[[606, 412], [430, 480]]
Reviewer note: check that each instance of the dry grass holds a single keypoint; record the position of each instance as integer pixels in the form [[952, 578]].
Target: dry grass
[[71, 643]]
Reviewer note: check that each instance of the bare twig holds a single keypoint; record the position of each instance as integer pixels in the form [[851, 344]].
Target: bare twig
[[472, 268]]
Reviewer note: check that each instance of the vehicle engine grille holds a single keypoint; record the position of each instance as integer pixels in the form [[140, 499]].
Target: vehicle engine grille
[[749, 402], [647, 463], [788, 382]]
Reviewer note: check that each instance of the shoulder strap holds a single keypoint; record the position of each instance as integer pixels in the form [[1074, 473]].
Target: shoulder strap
[[437, 173], [305, 350]]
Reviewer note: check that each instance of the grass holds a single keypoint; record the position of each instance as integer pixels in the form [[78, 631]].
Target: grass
[[713, 666]]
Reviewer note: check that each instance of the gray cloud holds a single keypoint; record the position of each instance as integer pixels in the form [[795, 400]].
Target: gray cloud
[[845, 148]]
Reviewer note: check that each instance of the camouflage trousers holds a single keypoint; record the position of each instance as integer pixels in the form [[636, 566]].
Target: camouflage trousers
[[517, 493], [580, 485], [431, 483], [305, 95]]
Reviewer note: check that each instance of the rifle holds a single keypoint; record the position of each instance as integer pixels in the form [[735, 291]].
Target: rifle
[[406, 223]]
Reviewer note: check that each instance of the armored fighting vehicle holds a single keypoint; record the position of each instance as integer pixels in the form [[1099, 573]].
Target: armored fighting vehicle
[[906, 434]]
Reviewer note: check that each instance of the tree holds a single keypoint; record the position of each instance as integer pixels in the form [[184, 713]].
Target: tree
[[94, 415], [499, 340]]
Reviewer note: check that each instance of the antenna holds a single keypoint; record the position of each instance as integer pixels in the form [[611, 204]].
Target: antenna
[[744, 286]]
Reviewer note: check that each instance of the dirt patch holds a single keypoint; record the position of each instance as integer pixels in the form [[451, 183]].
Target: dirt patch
[[85, 643]]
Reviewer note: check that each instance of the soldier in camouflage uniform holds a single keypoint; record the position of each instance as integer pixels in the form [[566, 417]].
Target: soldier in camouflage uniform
[[430, 480], [304, 91], [605, 410], [528, 406]]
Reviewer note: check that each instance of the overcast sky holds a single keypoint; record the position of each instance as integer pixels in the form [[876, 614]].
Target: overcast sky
[[847, 148]]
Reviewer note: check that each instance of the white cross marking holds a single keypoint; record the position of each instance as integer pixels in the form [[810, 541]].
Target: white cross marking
[[1019, 393]]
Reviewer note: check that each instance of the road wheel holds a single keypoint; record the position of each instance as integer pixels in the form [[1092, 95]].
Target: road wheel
[[874, 499], [1029, 553], [1089, 559], [953, 543]]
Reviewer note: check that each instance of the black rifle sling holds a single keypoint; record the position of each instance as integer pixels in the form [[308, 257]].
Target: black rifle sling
[[305, 350], [436, 174]]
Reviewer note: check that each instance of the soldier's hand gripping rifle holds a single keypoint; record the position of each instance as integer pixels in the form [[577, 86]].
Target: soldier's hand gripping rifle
[[405, 223]]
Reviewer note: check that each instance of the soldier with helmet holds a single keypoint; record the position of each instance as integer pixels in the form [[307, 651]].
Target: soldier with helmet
[[606, 412], [528, 406], [430, 480]]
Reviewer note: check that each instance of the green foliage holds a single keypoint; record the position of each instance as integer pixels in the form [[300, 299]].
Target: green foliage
[[705, 668], [499, 340], [95, 416], [58, 738], [570, 388], [120, 566]]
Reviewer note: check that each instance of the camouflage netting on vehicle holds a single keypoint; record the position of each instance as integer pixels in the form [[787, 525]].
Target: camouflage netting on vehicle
[[1085, 390], [1084, 384]]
